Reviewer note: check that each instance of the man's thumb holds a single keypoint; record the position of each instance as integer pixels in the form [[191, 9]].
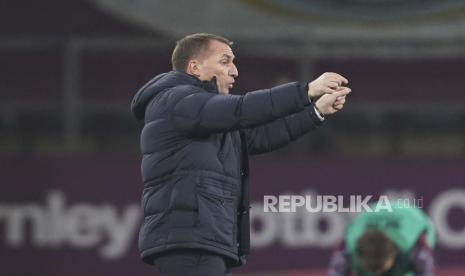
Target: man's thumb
[[341, 93]]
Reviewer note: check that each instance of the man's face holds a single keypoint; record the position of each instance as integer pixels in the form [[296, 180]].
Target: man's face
[[217, 61]]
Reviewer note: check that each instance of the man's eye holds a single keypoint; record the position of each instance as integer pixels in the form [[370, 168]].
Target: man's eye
[[224, 62]]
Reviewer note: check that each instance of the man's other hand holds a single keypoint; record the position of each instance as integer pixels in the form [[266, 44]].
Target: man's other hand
[[332, 103], [327, 83]]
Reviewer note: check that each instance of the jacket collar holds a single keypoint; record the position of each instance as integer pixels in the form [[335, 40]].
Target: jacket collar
[[209, 85], [162, 82]]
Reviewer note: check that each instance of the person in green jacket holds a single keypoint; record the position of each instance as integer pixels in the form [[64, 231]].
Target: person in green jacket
[[395, 242]]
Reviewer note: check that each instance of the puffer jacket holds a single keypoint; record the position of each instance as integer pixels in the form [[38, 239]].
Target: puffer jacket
[[195, 144]]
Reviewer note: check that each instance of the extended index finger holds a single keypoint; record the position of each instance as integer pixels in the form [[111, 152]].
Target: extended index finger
[[340, 78], [343, 79]]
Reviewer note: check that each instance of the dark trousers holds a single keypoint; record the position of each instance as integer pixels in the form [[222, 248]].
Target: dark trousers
[[191, 262]]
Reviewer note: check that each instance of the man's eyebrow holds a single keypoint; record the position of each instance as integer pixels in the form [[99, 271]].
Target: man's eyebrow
[[227, 56]]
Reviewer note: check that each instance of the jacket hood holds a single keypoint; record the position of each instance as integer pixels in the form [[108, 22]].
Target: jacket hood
[[163, 82]]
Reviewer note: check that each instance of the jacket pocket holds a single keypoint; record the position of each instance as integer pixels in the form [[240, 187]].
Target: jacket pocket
[[216, 216]]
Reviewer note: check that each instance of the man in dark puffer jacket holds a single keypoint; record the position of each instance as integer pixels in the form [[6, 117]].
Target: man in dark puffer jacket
[[195, 144]]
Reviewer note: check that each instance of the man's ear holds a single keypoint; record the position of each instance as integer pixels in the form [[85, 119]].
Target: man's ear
[[193, 68]]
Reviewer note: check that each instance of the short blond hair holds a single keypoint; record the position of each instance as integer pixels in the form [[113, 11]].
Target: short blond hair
[[191, 46]]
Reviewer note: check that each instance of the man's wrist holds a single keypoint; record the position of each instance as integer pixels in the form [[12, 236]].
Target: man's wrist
[[319, 114], [311, 98]]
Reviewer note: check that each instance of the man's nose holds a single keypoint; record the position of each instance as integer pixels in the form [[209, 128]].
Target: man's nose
[[234, 73]]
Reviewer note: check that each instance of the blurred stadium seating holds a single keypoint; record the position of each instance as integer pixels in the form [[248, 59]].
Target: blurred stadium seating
[[69, 71]]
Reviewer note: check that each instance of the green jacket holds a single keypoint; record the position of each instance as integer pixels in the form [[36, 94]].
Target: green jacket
[[403, 226]]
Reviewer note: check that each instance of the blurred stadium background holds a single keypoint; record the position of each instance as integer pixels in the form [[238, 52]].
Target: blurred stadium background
[[69, 156]]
